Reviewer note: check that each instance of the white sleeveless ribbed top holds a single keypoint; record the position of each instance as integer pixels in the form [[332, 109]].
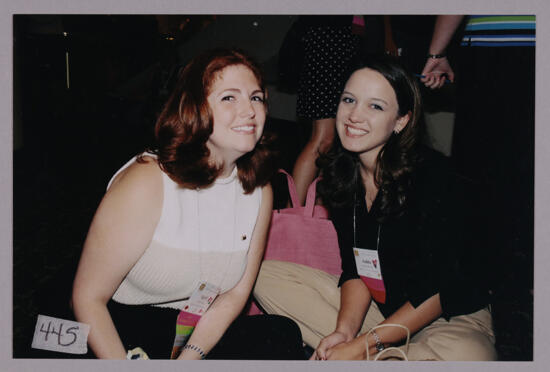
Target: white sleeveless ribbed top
[[202, 235]]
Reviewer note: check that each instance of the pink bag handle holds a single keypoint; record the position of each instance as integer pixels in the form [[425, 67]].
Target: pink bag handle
[[291, 189], [310, 198]]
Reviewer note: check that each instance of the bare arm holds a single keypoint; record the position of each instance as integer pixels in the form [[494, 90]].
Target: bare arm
[[413, 318], [119, 234], [444, 29], [227, 306], [355, 300]]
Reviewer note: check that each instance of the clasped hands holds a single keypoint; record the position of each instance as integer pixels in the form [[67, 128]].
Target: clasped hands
[[338, 346], [435, 72]]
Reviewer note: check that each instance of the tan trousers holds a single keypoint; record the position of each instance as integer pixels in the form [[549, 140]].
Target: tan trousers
[[312, 299]]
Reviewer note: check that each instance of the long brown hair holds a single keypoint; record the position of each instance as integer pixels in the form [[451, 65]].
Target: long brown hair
[[398, 158], [185, 124]]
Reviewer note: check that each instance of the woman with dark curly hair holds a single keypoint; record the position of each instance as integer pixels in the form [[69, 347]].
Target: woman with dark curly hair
[[183, 227], [410, 233]]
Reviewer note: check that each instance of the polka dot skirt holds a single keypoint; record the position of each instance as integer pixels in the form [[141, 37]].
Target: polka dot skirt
[[328, 51]]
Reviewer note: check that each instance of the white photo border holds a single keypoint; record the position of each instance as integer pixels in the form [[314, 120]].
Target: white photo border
[[540, 8]]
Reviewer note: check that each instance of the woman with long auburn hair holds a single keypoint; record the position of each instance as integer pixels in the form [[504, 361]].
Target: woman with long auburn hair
[[410, 230], [181, 230]]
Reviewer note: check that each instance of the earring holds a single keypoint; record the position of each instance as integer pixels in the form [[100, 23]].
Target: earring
[[396, 130]]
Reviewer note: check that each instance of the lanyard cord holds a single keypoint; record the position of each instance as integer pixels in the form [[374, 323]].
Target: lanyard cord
[[355, 227], [201, 251]]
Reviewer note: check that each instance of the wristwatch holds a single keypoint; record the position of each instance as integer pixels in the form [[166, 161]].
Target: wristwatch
[[378, 343]]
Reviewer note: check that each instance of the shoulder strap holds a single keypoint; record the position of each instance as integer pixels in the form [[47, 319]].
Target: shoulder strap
[[310, 198], [291, 189]]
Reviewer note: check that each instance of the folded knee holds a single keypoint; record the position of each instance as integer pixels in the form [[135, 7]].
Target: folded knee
[[458, 349]]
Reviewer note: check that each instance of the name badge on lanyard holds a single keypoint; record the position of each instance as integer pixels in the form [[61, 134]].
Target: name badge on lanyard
[[189, 316], [368, 267], [202, 298]]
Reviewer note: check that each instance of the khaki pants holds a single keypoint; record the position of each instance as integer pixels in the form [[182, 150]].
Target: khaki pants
[[312, 299]]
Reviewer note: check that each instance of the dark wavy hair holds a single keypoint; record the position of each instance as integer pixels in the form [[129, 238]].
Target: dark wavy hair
[[397, 158], [185, 124]]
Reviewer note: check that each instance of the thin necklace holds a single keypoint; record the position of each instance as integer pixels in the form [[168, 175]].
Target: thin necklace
[[201, 251]]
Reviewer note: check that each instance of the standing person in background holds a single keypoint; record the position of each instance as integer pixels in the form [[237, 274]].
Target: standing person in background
[[493, 139], [329, 44], [151, 243]]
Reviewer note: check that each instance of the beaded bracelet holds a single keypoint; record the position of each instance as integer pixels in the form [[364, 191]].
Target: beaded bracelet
[[196, 349], [436, 56]]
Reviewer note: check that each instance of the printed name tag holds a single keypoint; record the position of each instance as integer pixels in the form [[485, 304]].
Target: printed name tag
[[367, 263], [368, 268], [60, 335], [202, 298], [189, 316]]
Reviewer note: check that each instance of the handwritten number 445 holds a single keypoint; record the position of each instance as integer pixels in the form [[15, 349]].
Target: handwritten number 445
[[70, 332]]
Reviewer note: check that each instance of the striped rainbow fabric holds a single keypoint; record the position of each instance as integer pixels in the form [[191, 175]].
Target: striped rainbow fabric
[[185, 325], [500, 31]]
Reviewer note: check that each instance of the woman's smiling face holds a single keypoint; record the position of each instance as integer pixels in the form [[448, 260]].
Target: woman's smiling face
[[368, 113], [238, 110]]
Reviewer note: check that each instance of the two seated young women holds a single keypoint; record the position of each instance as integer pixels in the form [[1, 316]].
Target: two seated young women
[[195, 210]]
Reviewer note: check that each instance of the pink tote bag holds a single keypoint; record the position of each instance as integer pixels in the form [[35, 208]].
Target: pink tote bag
[[302, 235]]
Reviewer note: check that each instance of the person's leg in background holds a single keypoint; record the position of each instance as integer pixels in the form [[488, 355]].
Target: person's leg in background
[[329, 46], [305, 170]]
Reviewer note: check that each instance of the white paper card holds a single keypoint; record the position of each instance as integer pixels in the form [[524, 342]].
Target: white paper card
[[202, 298], [60, 335], [368, 263]]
